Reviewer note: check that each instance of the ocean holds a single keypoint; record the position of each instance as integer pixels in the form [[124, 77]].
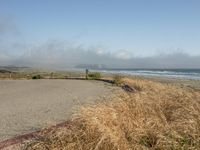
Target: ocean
[[170, 73]]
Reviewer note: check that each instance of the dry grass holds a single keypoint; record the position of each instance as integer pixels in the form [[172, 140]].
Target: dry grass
[[157, 116], [118, 80]]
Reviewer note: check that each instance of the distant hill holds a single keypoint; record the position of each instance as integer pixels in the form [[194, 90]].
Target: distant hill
[[5, 71], [91, 66], [12, 68]]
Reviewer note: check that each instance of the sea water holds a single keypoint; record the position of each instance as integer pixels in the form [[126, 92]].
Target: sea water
[[171, 73]]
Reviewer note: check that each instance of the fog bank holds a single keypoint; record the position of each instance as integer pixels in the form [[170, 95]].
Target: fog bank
[[62, 55]]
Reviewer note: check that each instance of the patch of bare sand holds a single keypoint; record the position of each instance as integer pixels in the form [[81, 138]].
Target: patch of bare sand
[[29, 105]]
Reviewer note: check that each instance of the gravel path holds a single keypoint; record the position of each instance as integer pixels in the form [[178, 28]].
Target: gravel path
[[29, 105]]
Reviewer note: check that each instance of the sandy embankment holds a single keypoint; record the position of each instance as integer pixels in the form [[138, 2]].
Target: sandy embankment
[[29, 105]]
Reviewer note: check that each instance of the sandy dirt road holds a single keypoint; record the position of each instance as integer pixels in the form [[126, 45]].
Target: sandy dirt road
[[29, 105]]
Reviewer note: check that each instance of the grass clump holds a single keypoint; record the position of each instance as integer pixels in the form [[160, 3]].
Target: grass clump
[[94, 75], [158, 117], [37, 77], [118, 80]]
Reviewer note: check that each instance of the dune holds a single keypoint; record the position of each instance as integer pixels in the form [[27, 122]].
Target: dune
[[155, 116]]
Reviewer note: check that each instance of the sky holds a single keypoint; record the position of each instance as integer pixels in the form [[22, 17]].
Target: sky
[[117, 33]]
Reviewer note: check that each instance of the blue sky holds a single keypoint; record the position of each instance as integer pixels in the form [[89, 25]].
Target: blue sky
[[116, 33], [143, 27]]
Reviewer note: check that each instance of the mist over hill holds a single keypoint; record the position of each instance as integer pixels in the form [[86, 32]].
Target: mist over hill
[[54, 54]]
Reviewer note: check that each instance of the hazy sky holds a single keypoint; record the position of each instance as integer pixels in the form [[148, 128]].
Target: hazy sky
[[121, 29]]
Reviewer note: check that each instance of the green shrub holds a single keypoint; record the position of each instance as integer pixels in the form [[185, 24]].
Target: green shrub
[[95, 75], [37, 77]]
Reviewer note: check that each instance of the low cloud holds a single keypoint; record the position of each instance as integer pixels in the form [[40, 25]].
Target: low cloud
[[123, 54], [5, 59], [62, 55]]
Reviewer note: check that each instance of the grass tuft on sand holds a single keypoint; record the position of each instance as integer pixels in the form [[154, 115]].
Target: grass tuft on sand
[[157, 116]]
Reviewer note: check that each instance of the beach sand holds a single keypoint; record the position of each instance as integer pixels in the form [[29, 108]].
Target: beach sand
[[29, 105]]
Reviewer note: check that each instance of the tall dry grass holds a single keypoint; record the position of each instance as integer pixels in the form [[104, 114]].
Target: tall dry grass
[[157, 116]]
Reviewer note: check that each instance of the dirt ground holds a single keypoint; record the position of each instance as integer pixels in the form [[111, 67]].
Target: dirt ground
[[29, 105]]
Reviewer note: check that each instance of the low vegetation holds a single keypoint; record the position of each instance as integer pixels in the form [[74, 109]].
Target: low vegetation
[[117, 80], [157, 116], [37, 77], [43, 74], [94, 75]]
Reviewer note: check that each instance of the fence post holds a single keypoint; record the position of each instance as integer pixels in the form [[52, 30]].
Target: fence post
[[86, 74], [51, 75]]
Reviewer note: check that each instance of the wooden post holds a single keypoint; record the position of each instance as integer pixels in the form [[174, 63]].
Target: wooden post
[[51, 75], [10, 75], [86, 74]]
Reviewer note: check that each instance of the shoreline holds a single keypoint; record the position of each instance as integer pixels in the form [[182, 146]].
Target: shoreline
[[186, 83], [182, 82]]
